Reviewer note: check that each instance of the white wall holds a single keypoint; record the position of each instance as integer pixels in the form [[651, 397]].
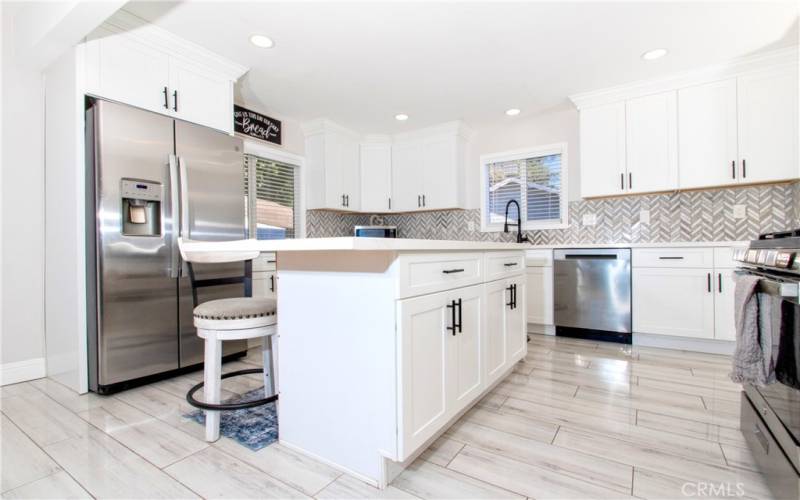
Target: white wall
[[521, 132], [22, 211]]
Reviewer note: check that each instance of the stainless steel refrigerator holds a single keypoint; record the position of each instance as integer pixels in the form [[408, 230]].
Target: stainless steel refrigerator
[[151, 178]]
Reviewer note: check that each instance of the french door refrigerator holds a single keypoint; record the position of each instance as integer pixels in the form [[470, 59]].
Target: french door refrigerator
[[150, 179]]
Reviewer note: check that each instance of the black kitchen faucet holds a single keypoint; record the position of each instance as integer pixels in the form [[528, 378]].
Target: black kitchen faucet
[[520, 238]]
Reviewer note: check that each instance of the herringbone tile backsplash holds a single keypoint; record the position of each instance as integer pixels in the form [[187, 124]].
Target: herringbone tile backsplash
[[686, 216]]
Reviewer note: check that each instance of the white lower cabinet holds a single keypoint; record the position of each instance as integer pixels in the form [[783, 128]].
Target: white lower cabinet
[[673, 301], [265, 284], [540, 295], [440, 360]]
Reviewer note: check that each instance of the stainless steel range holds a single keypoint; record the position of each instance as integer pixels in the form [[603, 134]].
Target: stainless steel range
[[770, 417]]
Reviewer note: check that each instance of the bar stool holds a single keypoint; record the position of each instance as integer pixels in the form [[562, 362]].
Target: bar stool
[[237, 318]]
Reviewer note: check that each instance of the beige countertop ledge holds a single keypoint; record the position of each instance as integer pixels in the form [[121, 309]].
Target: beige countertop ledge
[[657, 244], [349, 243]]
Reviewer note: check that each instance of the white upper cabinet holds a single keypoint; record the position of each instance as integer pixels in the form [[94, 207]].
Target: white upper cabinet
[[136, 63], [428, 168], [768, 125], [651, 131], [199, 95], [407, 181], [420, 170], [109, 59], [334, 171], [602, 144], [707, 135], [720, 126], [376, 176]]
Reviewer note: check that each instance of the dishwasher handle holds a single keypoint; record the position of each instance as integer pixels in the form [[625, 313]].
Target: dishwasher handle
[[589, 256]]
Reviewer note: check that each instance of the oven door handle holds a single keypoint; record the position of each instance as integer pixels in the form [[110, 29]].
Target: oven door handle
[[775, 287]]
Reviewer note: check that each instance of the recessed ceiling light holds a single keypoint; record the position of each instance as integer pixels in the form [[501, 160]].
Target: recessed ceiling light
[[401, 117], [651, 55], [262, 41], [512, 112]]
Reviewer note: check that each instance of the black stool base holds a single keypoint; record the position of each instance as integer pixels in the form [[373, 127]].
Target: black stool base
[[228, 406]]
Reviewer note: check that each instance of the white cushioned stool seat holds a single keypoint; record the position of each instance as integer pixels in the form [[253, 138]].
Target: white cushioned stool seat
[[236, 313]]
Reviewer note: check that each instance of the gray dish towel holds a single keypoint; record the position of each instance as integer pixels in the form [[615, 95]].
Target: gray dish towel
[[748, 358]]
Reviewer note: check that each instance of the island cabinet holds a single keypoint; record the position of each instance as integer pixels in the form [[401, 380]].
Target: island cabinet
[[380, 351]]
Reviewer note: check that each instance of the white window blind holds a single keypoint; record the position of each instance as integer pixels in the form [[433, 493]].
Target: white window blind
[[271, 201], [534, 179]]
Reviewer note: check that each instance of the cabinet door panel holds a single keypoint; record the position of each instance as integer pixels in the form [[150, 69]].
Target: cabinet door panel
[[602, 138], [724, 322], [351, 174], [652, 143], [376, 177], [768, 125], [122, 69], [465, 365], [440, 174], [707, 141], [201, 97], [495, 334], [333, 158], [423, 364], [673, 302], [516, 324], [407, 180], [539, 299]]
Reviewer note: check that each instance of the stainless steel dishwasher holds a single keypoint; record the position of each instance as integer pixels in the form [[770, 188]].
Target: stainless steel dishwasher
[[593, 293]]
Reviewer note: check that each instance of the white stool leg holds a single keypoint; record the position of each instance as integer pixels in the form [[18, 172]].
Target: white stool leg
[[211, 378], [269, 368]]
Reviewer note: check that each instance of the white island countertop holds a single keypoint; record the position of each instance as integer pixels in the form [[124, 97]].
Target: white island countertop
[[652, 244], [349, 243]]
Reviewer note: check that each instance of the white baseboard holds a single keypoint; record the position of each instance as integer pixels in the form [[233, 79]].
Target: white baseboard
[[541, 329], [684, 343], [21, 371]]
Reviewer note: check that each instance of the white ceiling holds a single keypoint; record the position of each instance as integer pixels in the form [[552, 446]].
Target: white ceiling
[[361, 63]]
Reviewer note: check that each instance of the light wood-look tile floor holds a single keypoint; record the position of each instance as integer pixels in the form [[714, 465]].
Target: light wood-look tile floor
[[575, 419]]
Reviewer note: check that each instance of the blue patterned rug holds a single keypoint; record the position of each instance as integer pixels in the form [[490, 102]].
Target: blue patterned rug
[[255, 427]]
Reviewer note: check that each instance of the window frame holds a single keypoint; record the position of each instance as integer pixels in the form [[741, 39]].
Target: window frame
[[256, 148], [521, 154]]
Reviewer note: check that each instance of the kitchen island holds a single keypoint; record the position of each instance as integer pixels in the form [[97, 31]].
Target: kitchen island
[[385, 342]]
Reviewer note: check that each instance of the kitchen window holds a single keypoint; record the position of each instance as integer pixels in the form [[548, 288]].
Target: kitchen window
[[272, 195], [535, 178]]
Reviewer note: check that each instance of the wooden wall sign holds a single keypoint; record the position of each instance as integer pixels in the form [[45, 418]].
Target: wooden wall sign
[[256, 125]]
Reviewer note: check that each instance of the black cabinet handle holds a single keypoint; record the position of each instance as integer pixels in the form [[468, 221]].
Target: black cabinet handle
[[271, 282], [175, 101], [671, 258], [515, 295], [630, 180], [347, 200], [622, 181], [343, 201], [419, 200], [744, 168], [733, 169], [390, 203], [509, 264], [510, 302], [709, 282], [451, 271], [166, 98], [719, 282], [452, 307], [423, 200], [460, 322], [271, 261]]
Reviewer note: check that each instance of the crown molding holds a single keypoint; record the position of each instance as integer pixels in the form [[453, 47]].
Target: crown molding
[[764, 61], [128, 24]]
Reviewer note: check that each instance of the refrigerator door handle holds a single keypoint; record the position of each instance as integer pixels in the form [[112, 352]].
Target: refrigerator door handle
[[174, 195], [184, 229]]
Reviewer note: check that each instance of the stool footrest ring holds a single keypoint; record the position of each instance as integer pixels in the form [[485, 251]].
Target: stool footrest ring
[[228, 406]]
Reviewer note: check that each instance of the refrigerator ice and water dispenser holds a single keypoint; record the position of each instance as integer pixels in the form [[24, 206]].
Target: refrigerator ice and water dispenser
[[141, 208]]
